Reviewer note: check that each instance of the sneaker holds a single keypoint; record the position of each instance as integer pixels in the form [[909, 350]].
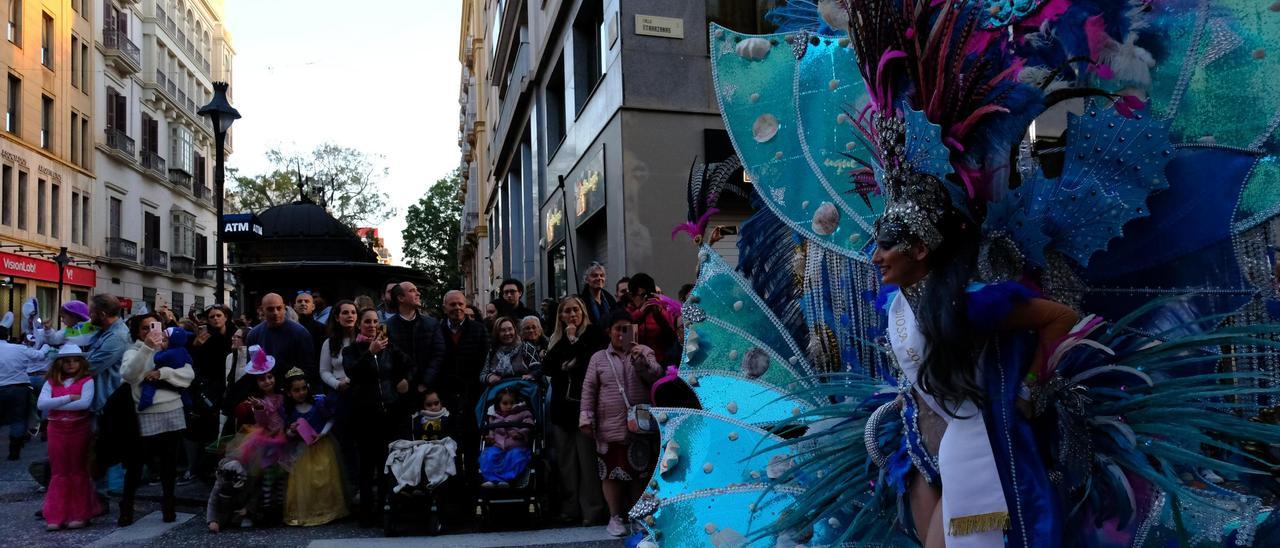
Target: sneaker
[[487, 485], [52, 527], [503, 484], [616, 527], [186, 479], [75, 524]]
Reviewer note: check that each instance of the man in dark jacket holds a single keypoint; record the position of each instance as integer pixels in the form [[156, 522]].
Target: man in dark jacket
[[305, 305], [466, 344], [416, 334], [284, 339]]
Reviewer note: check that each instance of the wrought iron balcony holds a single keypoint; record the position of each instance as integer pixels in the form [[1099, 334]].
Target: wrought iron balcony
[[155, 258], [120, 248], [116, 139], [121, 50], [153, 162], [182, 265]]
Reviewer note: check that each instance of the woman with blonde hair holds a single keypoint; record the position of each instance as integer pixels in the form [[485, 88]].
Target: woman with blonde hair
[[569, 350]]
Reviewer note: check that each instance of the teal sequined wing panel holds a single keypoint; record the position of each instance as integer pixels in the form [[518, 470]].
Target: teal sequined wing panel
[[786, 100], [738, 358]]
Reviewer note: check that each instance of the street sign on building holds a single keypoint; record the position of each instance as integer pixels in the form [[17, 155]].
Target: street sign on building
[[662, 27]]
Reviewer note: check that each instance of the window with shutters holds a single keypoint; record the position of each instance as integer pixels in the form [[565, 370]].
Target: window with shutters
[[150, 134], [117, 112], [184, 234], [115, 217], [150, 230], [202, 250]]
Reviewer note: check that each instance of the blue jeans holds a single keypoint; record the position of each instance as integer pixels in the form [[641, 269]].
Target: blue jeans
[[15, 402]]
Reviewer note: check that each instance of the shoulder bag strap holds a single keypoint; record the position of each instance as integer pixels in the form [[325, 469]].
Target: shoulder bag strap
[[617, 379]]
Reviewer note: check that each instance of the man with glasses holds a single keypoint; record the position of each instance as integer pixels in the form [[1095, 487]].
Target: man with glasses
[[511, 304]]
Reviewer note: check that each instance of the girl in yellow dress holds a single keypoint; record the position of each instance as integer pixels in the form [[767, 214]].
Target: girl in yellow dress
[[314, 495]]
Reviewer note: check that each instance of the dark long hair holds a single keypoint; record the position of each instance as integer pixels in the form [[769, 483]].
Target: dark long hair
[[335, 329], [950, 370]]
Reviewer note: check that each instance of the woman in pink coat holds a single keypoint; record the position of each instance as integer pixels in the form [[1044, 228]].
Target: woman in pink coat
[[623, 367]]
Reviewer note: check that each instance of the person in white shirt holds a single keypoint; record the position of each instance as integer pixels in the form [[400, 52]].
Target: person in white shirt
[[17, 364]]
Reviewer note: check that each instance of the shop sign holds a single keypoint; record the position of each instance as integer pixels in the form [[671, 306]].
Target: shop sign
[[553, 222], [662, 27], [241, 226], [588, 187], [51, 174], [32, 268], [13, 158]]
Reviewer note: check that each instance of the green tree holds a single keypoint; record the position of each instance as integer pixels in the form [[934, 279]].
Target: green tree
[[431, 238], [344, 180]]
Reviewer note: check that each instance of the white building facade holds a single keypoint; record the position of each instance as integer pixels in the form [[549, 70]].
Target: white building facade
[[155, 226]]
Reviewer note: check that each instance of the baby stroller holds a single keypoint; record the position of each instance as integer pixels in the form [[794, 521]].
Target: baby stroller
[[424, 502], [527, 494]]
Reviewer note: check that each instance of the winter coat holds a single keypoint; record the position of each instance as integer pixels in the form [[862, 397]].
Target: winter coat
[[419, 339], [603, 407], [507, 437], [464, 357], [509, 362], [566, 366], [656, 328], [374, 378]]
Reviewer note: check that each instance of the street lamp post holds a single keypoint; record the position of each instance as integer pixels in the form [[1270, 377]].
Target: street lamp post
[[63, 260], [221, 114]]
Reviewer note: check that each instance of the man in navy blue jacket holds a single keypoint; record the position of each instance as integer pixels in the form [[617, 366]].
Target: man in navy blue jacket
[[285, 340]]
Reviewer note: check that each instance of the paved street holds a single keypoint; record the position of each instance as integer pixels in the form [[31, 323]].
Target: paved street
[[20, 499]]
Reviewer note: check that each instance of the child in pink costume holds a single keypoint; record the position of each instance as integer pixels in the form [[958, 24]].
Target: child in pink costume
[[71, 501]]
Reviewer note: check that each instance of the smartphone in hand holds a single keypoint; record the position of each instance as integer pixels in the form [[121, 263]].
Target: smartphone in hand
[[628, 335]]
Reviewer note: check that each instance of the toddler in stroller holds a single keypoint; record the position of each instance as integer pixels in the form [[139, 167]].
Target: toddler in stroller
[[511, 415], [509, 424], [421, 467]]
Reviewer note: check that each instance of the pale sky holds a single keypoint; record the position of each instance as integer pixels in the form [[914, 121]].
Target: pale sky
[[380, 76]]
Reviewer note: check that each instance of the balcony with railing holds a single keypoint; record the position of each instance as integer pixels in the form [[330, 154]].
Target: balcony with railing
[[120, 51], [185, 266], [120, 143], [120, 248], [155, 258], [154, 163]]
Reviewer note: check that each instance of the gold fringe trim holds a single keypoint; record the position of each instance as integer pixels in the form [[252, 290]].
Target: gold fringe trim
[[980, 523]]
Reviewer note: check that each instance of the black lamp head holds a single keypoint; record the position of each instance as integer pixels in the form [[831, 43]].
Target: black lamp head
[[219, 111]]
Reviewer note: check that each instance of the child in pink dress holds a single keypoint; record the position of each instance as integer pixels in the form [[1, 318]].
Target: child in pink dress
[[71, 501]]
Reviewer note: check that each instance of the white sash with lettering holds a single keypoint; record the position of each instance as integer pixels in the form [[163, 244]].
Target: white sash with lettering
[[974, 511]]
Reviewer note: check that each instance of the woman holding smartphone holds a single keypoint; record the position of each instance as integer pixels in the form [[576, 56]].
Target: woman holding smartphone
[[619, 377], [161, 422], [378, 374]]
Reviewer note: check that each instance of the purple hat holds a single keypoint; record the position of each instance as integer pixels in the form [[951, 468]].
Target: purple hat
[[77, 309]]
